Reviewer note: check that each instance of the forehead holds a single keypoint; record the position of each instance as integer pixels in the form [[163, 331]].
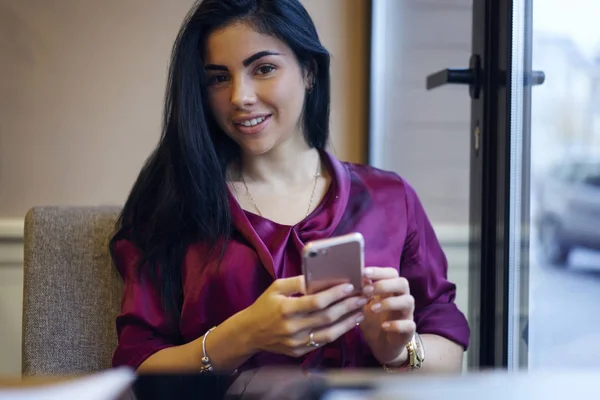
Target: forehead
[[234, 43]]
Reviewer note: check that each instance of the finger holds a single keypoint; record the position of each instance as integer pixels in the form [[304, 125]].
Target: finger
[[322, 300], [378, 273], [400, 304], [366, 281], [333, 332], [290, 286], [405, 327], [331, 315], [396, 286]]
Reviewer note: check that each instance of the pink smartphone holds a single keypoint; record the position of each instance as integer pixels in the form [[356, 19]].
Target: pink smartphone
[[333, 261]]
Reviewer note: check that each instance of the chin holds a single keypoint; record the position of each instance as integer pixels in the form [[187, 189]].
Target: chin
[[256, 151], [256, 147], [263, 143]]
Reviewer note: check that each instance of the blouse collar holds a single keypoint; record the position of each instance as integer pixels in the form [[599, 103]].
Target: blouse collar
[[319, 224]]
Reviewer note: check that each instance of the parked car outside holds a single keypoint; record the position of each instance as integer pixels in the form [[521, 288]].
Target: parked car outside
[[567, 214]]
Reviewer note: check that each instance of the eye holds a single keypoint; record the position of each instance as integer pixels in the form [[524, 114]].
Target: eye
[[265, 69], [217, 79]]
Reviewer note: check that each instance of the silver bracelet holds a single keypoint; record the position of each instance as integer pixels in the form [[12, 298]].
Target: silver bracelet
[[206, 363]]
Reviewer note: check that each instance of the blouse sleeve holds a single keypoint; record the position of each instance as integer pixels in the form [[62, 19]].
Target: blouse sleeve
[[425, 266], [142, 326]]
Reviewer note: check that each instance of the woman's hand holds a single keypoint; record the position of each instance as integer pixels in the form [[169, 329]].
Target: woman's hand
[[279, 322], [388, 324]]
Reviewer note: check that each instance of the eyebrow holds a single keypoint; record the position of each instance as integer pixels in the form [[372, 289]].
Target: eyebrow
[[246, 62]]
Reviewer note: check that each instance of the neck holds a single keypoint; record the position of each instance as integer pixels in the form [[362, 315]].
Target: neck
[[285, 165]]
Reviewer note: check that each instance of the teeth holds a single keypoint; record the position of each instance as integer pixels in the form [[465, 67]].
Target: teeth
[[253, 122]]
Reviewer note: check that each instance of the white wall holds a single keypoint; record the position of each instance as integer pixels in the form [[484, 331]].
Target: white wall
[[423, 135]]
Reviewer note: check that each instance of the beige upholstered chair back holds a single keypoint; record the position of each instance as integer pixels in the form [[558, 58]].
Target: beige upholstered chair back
[[72, 291]]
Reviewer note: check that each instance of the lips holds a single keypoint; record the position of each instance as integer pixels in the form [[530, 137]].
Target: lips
[[252, 126]]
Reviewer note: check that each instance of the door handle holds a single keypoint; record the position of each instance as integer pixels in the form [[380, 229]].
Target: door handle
[[450, 75], [473, 77], [535, 78], [470, 76]]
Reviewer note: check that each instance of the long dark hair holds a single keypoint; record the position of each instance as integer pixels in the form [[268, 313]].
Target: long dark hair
[[180, 196]]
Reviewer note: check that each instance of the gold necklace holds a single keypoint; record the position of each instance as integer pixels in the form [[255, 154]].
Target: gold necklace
[[312, 195]]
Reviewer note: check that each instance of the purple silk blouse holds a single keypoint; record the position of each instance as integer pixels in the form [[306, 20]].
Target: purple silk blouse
[[379, 204]]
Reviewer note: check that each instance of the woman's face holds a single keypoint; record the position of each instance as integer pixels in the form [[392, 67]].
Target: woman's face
[[256, 88]]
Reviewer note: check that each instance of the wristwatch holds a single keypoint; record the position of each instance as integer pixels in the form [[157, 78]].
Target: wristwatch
[[416, 356]]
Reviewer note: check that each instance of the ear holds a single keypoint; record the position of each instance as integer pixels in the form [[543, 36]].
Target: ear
[[309, 81], [310, 72]]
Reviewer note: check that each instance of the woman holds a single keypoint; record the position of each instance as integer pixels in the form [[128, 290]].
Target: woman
[[210, 237]]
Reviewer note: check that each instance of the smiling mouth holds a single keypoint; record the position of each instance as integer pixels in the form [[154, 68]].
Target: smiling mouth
[[253, 126], [253, 122]]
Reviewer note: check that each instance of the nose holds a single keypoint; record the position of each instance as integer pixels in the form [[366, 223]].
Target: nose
[[243, 94]]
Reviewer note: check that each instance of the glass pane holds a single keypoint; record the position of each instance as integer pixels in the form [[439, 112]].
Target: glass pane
[[555, 260], [421, 135]]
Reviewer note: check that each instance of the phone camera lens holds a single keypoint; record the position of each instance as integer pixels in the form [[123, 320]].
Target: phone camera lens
[[312, 254]]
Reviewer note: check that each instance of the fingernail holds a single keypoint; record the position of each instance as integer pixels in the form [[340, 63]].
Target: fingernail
[[348, 288], [361, 302], [376, 307], [359, 319], [386, 325], [368, 289], [368, 271]]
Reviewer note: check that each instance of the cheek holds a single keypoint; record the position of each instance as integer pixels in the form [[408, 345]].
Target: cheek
[[219, 106], [287, 101]]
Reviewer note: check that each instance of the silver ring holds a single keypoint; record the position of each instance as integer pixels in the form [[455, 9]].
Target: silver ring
[[311, 341]]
